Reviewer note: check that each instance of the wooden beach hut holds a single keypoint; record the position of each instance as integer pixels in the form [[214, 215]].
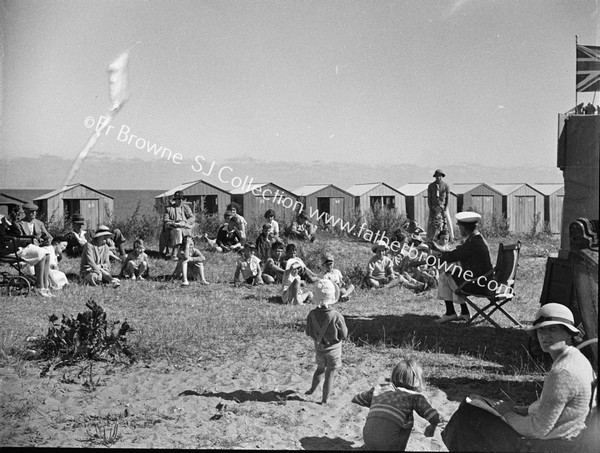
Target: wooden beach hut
[[326, 198], [554, 195], [522, 205], [256, 198], [377, 194], [199, 195], [478, 197], [6, 200], [417, 207], [96, 207]]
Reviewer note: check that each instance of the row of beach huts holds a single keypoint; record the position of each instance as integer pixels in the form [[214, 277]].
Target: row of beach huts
[[524, 205]]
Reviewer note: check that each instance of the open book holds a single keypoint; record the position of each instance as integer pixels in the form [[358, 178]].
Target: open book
[[484, 403]]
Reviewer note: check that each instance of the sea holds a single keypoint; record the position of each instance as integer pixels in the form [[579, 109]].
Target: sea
[[125, 201]]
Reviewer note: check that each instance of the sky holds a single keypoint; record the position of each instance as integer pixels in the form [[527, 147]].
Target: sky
[[419, 82]]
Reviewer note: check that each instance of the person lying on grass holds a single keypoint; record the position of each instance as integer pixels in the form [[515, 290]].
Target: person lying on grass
[[390, 419], [380, 269], [95, 259], [337, 278], [248, 267], [292, 292], [291, 254], [328, 329], [135, 266], [272, 271], [190, 264]]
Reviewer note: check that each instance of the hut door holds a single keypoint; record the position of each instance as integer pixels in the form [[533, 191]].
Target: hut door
[[524, 213], [556, 208], [336, 207], [89, 209], [483, 204]]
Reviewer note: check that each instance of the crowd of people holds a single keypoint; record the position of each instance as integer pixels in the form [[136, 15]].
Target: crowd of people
[[549, 424]]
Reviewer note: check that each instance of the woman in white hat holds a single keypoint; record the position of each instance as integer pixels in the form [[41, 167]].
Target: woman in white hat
[[95, 259], [472, 259], [551, 422]]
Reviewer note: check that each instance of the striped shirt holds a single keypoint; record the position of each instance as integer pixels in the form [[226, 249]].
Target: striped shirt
[[396, 405]]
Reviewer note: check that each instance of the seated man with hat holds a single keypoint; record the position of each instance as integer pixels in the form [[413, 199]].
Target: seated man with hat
[[31, 226], [95, 259], [380, 269], [77, 237], [472, 258], [178, 221], [303, 229]]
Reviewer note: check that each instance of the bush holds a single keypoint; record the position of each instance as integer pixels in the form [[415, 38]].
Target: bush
[[384, 220], [86, 337], [208, 223], [145, 225], [494, 226]]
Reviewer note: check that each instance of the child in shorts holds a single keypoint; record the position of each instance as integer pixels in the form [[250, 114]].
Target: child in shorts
[[190, 263], [380, 269], [272, 272], [337, 278], [390, 419], [327, 328], [248, 267], [136, 264], [292, 285]]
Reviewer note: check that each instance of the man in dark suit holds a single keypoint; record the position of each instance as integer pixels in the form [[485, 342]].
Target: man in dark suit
[[31, 226], [472, 259]]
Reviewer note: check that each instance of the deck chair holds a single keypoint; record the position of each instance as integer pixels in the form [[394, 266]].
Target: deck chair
[[504, 274]]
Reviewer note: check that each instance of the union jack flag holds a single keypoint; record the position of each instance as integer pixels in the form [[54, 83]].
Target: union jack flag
[[588, 68]]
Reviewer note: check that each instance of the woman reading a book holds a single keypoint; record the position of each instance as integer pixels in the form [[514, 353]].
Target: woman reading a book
[[551, 422]]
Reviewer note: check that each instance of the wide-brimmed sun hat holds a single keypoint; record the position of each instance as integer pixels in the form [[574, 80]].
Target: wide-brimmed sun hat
[[468, 217], [30, 206], [293, 263], [439, 172], [325, 293], [381, 245], [554, 314], [102, 230]]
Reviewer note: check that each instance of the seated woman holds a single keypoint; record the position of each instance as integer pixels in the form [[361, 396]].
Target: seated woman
[[551, 422], [95, 259]]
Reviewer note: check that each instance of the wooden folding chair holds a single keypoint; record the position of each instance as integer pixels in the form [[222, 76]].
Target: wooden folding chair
[[497, 286]]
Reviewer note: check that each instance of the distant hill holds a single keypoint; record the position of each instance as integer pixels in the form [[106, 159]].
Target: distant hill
[[136, 174]]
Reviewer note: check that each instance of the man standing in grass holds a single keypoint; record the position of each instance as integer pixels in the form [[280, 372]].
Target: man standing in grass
[[438, 194]]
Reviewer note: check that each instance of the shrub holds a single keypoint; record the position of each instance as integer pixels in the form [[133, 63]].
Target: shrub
[[86, 337], [207, 223], [494, 226], [384, 220], [145, 225]]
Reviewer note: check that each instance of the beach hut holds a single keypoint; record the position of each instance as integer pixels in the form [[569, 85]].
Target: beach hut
[[254, 200], [96, 207], [318, 199], [417, 207], [554, 195], [523, 206], [199, 195], [370, 195], [6, 200], [478, 197]]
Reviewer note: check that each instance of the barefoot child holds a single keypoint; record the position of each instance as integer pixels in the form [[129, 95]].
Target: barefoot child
[[337, 278], [248, 267], [292, 285], [136, 265], [390, 418], [272, 272], [380, 269], [327, 328], [190, 263]]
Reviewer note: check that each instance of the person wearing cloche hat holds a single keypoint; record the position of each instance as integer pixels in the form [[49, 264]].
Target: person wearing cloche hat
[[550, 423], [438, 195], [471, 257], [95, 259], [328, 329], [380, 268]]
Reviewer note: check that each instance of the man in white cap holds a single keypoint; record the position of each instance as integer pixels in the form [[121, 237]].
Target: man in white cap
[[438, 193], [95, 259], [472, 258]]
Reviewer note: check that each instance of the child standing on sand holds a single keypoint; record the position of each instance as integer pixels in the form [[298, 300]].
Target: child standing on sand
[[328, 329], [390, 418]]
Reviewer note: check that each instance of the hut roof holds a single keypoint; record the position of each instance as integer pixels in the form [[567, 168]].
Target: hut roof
[[361, 189], [508, 188], [460, 188], [251, 187], [8, 199], [65, 188], [548, 188], [413, 188], [312, 188], [187, 185]]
